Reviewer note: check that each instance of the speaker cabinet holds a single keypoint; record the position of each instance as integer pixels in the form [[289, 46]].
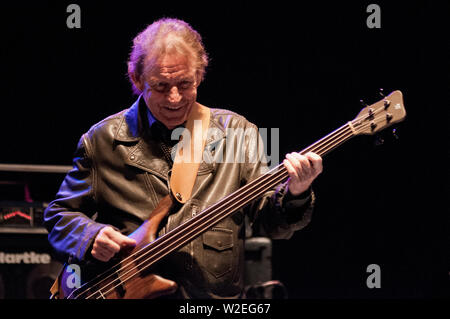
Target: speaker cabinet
[[258, 271], [258, 260], [27, 267]]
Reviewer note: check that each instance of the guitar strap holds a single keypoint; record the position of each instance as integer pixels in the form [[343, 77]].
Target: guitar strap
[[189, 153]]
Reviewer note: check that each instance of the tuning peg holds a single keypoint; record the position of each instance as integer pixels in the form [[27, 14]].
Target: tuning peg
[[388, 117], [382, 93], [364, 104]]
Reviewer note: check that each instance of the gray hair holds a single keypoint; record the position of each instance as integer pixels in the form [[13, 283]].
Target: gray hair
[[163, 36]]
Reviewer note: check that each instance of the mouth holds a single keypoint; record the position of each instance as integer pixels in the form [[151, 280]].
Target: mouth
[[173, 108]]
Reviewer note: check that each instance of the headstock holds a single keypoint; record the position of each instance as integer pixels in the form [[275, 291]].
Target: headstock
[[380, 115]]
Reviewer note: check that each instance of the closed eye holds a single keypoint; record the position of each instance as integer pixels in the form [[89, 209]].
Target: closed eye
[[184, 85], [160, 86]]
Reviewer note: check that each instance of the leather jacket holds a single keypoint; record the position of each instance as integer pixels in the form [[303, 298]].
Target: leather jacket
[[119, 175]]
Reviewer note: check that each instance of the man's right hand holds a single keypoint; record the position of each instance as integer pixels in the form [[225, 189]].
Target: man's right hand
[[109, 242]]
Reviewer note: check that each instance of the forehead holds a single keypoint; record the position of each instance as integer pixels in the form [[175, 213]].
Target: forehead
[[171, 66]]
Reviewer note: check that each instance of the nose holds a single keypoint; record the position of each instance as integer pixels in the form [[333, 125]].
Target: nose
[[174, 95]]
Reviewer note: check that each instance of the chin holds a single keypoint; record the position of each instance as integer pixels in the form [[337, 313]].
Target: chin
[[174, 123], [173, 120]]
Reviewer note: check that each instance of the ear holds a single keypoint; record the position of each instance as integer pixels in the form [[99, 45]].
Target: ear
[[198, 78], [137, 82]]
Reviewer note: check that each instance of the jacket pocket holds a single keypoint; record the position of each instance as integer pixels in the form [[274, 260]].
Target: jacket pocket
[[218, 251]]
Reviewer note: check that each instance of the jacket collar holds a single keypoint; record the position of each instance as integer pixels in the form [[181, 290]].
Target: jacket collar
[[131, 126]]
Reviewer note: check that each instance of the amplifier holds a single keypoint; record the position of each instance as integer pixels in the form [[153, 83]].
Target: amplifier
[[21, 215], [27, 266], [258, 271]]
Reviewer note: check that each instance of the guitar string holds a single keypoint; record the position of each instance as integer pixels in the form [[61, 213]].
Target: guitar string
[[274, 182], [212, 210], [340, 131], [180, 241], [98, 278], [207, 217], [218, 218], [187, 236], [244, 201]]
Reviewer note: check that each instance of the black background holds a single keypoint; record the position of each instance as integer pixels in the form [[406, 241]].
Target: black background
[[300, 67]]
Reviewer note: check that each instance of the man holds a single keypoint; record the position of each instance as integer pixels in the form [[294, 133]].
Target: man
[[122, 169]]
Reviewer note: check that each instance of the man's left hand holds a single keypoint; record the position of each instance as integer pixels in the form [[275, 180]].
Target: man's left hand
[[302, 169]]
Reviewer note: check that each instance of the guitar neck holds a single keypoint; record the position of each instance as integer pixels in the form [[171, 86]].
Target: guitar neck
[[212, 215], [332, 140]]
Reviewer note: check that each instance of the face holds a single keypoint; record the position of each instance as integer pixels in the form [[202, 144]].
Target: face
[[170, 89]]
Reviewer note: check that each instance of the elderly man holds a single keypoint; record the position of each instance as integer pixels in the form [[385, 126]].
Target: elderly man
[[122, 169]]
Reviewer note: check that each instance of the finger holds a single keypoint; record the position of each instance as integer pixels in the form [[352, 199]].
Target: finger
[[103, 242], [305, 164], [316, 161], [291, 170], [295, 163], [302, 165], [101, 255], [120, 240], [313, 157]]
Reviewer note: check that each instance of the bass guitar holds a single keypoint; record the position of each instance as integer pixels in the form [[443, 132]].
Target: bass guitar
[[130, 278]]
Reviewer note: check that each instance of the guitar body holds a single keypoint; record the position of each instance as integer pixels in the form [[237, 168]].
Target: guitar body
[[142, 285], [145, 285]]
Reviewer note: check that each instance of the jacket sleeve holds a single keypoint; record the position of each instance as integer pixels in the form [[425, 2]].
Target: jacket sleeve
[[277, 214], [68, 218]]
